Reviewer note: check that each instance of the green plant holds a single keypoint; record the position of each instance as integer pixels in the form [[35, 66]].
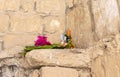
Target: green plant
[[30, 48]]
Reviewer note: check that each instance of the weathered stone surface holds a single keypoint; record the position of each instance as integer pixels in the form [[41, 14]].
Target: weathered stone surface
[[58, 57], [4, 22], [107, 66], [35, 73], [19, 73], [77, 2], [69, 3], [84, 73], [11, 5], [54, 27], [100, 58], [92, 20], [9, 62], [5, 55], [79, 21], [7, 72], [106, 16], [14, 40], [58, 72], [26, 22], [50, 7], [28, 5]]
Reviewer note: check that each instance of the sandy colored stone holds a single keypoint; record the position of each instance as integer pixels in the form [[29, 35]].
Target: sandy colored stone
[[84, 73], [77, 2], [50, 6], [107, 66], [19, 74], [13, 40], [117, 41], [26, 22], [5, 55], [106, 16], [4, 22], [58, 72], [35, 73], [56, 57], [69, 3], [11, 5], [79, 21], [28, 5], [54, 27]]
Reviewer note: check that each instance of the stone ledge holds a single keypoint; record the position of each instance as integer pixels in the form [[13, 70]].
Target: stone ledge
[[56, 57]]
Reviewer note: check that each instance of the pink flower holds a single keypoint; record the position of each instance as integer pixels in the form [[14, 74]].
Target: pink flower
[[41, 41]]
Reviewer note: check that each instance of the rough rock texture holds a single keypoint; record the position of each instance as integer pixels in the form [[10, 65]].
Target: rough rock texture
[[106, 16], [65, 58], [4, 22], [13, 64], [27, 5], [96, 61], [89, 20], [50, 7], [92, 20], [58, 72], [21, 21], [79, 22], [54, 26], [14, 40], [108, 64], [9, 5]]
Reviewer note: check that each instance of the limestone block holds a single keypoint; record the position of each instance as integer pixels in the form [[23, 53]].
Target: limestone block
[[50, 6], [9, 62], [7, 72], [5, 55], [106, 66], [28, 5], [35, 73], [69, 3], [54, 27], [19, 73], [13, 40], [12, 5], [106, 16], [21, 22], [58, 72], [4, 22], [77, 2], [84, 73], [79, 21], [54, 57]]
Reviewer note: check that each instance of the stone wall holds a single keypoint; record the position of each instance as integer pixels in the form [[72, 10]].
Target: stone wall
[[89, 20], [101, 60], [92, 20], [108, 65], [46, 63], [21, 21]]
